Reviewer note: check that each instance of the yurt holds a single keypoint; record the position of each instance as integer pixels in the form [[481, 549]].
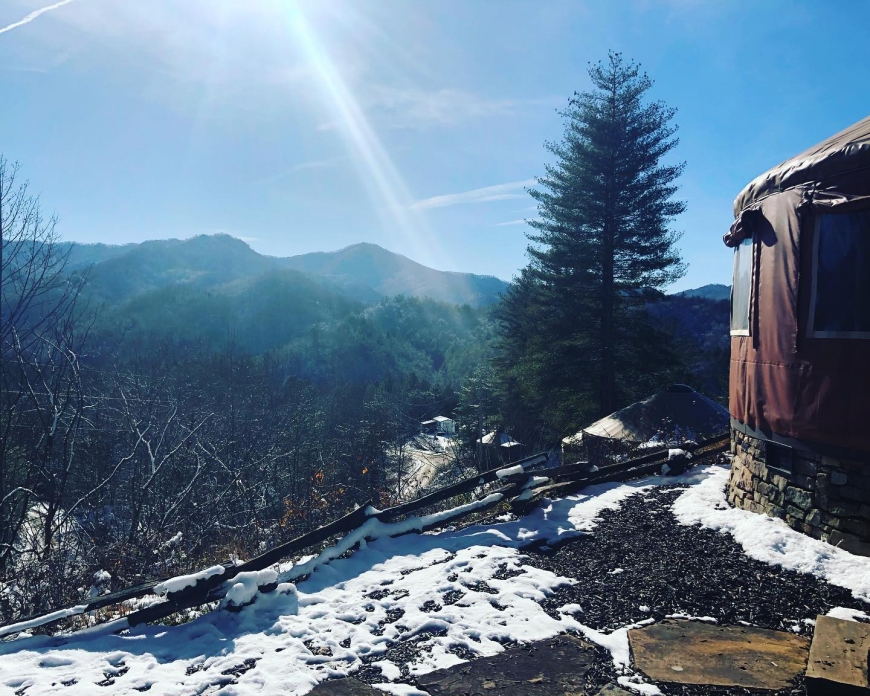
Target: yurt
[[799, 391], [673, 415]]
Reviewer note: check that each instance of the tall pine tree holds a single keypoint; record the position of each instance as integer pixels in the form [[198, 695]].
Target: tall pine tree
[[600, 248]]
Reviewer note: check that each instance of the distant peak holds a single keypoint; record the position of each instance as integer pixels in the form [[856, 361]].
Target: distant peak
[[366, 245]]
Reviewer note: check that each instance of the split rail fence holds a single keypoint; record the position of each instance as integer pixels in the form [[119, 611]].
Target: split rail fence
[[517, 489]]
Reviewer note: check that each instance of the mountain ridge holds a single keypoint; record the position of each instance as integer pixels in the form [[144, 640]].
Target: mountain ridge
[[363, 271]]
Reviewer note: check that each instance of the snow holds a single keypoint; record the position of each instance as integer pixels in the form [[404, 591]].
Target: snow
[[39, 621], [181, 582], [847, 614], [174, 541], [353, 600], [245, 586], [333, 604], [400, 689], [770, 540], [689, 617], [389, 669], [678, 454], [635, 684], [509, 471], [615, 641]]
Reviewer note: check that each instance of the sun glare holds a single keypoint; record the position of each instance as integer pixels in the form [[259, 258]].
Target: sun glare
[[379, 174]]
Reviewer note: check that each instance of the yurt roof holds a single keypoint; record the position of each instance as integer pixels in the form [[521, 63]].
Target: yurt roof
[[503, 439], [844, 155], [678, 407]]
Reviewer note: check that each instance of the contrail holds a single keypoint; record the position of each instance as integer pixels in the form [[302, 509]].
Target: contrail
[[33, 15]]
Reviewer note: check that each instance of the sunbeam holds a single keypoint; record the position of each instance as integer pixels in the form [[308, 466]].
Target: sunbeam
[[385, 184]]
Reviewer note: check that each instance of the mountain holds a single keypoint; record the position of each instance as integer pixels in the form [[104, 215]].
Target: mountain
[[363, 272], [118, 274], [263, 312], [393, 274], [714, 291]]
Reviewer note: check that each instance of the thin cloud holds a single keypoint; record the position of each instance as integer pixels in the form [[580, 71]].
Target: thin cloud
[[510, 223], [301, 167], [499, 192], [33, 15]]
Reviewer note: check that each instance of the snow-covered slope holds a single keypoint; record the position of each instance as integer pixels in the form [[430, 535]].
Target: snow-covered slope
[[452, 592]]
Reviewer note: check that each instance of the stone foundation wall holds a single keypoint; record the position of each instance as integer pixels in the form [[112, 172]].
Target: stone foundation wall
[[825, 497]]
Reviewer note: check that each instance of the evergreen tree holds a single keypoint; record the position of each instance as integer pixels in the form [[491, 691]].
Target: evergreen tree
[[575, 323]]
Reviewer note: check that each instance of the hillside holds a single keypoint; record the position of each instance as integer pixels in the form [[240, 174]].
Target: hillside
[[394, 274], [714, 291], [263, 312], [363, 272]]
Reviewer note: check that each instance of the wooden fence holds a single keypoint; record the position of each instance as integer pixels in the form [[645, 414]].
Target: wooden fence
[[561, 481]]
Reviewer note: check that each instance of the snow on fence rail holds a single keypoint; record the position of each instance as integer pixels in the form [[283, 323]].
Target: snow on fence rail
[[523, 487], [200, 588]]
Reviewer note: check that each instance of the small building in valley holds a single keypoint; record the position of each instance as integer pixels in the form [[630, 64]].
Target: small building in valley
[[439, 425], [498, 448], [799, 388]]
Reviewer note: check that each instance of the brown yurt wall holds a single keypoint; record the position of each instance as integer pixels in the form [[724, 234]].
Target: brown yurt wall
[[782, 381]]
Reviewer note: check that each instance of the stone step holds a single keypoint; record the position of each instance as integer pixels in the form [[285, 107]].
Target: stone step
[[839, 656], [553, 667], [692, 652]]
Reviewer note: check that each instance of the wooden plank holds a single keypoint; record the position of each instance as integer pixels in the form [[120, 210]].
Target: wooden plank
[[692, 652], [622, 472], [838, 661], [216, 589], [340, 526]]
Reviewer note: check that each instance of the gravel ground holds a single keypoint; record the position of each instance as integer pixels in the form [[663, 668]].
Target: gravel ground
[[638, 556], [669, 569]]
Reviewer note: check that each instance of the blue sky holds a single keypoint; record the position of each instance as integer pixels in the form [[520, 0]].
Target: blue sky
[[306, 126]]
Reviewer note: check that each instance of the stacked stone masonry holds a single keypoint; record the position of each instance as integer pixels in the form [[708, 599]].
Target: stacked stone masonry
[[825, 497]]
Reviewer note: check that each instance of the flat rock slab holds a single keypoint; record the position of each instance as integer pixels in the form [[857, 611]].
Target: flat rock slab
[[839, 658], [554, 667], [692, 652], [344, 687]]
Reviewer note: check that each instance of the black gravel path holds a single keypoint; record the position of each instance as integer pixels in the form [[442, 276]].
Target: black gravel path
[[669, 568], [639, 556]]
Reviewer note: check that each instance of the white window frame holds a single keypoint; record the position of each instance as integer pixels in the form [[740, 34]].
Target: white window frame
[[746, 331], [811, 330]]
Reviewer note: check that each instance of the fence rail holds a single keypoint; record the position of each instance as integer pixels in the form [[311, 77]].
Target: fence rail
[[214, 587]]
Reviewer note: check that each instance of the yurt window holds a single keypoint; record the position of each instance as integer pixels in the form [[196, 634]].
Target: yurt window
[[840, 304], [741, 288]]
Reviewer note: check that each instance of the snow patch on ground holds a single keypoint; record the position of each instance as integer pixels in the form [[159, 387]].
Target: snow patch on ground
[[636, 684], [770, 540], [400, 689], [352, 608], [352, 601], [847, 614]]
